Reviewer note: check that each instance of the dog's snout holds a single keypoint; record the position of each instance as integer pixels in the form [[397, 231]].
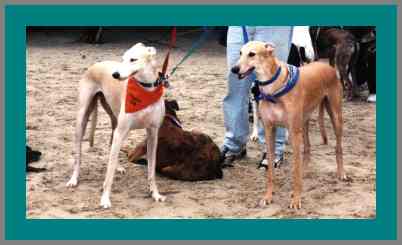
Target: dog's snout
[[235, 69], [116, 75]]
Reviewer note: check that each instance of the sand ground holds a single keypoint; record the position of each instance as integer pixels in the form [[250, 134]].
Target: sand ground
[[55, 64]]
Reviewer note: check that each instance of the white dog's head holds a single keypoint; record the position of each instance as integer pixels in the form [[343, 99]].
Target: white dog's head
[[138, 61]]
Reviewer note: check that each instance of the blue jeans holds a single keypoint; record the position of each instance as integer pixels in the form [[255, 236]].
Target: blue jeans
[[235, 104]]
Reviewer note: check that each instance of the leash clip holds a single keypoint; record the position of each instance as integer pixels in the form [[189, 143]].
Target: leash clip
[[163, 79]]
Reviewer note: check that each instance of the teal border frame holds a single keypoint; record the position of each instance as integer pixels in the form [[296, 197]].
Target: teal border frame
[[17, 17]]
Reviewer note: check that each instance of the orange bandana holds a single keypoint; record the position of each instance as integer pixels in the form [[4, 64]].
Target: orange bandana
[[137, 98]]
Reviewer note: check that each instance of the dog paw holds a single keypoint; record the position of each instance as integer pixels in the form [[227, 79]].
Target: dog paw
[[158, 197], [121, 170], [295, 203], [265, 202], [254, 137], [105, 202], [343, 177], [72, 182]]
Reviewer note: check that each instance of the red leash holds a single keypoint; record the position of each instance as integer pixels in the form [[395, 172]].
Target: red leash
[[171, 45], [137, 98]]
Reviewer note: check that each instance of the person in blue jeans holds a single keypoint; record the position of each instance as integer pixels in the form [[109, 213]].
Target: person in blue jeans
[[235, 104]]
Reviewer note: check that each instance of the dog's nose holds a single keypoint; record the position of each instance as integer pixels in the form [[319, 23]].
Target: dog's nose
[[235, 69], [116, 75]]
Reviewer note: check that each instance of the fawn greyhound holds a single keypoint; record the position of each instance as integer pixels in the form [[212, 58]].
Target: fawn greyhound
[[289, 96], [120, 87]]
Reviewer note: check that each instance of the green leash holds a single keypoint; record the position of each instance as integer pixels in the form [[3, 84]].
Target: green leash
[[192, 49]]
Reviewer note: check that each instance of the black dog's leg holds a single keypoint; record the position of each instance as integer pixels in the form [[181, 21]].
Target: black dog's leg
[[32, 156], [255, 91], [35, 170]]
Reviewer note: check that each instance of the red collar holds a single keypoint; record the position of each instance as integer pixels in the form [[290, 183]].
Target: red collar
[[138, 98]]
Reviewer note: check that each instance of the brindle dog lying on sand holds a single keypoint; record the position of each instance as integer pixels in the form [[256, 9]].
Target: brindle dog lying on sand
[[181, 155]]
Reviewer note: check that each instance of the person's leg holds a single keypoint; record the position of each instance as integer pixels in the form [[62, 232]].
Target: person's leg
[[281, 37], [235, 103]]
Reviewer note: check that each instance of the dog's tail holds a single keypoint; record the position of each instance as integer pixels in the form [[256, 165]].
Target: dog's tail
[[321, 122], [94, 119]]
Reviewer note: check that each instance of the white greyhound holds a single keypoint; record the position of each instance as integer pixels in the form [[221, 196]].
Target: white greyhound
[[108, 82]]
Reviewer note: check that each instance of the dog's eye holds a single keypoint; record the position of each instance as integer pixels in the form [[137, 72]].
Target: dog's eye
[[132, 60], [251, 54], [240, 53]]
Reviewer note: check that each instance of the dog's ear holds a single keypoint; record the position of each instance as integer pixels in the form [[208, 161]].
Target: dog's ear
[[151, 51], [269, 48], [175, 105], [138, 45], [172, 105]]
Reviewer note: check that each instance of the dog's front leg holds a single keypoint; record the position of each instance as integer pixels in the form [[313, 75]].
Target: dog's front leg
[[152, 144], [296, 134], [254, 134], [306, 138], [270, 141], [120, 134]]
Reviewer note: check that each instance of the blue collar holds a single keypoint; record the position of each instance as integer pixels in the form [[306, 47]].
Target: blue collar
[[174, 120], [293, 77], [267, 82]]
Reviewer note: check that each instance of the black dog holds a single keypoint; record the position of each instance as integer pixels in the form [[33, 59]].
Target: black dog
[[32, 156], [342, 49], [366, 64]]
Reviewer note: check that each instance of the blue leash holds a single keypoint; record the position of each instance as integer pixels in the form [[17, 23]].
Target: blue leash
[[245, 35], [292, 70], [245, 40]]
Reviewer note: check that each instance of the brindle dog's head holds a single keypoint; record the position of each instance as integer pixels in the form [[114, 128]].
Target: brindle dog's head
[[253, 56], [171, 106]]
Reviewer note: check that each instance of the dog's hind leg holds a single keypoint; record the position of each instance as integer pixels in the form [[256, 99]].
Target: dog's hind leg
[[343, 60], [139, 151], [333, 104], [87, 101], [321, 123], [94, 119], [179, 172], [152, 144], [353, 69], [306, 138], [109, 111]]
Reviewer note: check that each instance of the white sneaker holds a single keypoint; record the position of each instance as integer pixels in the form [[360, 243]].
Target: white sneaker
[[264, 163], [371, 98]]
